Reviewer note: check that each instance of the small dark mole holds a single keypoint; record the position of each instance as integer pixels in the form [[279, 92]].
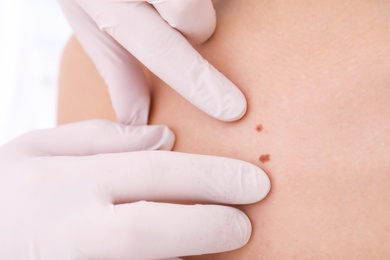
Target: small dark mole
[[259, 128], [265, 158]]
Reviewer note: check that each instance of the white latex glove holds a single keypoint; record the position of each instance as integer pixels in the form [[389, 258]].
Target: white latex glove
[[79, 192], [115, 33]]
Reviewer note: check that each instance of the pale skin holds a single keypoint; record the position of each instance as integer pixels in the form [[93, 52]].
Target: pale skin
[[316, 77]]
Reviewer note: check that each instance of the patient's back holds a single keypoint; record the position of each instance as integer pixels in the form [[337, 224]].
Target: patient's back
[[316, 76]]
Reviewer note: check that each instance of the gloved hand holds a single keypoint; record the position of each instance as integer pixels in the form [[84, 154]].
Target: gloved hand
[[117, 33], [79, 191]]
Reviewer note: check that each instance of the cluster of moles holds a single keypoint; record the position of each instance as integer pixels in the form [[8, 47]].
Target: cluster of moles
[[264, 157]]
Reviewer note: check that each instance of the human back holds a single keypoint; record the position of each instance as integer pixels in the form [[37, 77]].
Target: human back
[[316, 78]]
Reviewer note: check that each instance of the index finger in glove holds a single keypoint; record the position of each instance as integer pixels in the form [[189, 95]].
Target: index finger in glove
[[169, 176], [166, 52]]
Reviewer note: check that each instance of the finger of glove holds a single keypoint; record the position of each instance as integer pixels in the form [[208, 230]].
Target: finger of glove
[[174, 177], [146, 230], [96, 137], [195, 19], [121, 72], [163, 50]]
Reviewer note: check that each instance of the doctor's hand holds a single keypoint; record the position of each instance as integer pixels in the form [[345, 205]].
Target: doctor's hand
[[79, 191], [117, 34]]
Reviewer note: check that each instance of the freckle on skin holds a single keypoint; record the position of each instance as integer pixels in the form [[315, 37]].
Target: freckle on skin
[[259, 128], [265, 158]]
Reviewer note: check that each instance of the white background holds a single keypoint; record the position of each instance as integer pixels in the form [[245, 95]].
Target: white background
[[33, 34]]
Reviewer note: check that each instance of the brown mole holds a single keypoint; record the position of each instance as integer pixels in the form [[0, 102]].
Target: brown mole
[[265, 158], [259, 128]]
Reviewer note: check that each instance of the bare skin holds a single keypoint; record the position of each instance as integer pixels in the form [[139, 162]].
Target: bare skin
[[316, 76]]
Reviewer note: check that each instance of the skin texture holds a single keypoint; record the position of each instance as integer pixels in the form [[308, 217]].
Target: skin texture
[[316, 77]]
